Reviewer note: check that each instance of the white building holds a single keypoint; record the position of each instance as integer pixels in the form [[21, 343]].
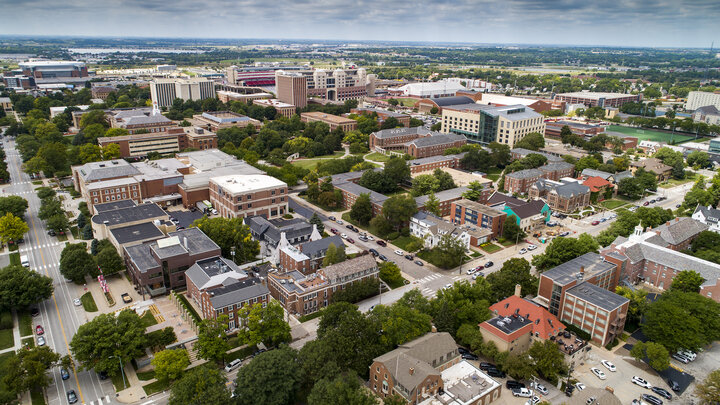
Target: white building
[[709, 216], [442, 88], [431, 229], [164, 91], [708, 114], [697, 99]]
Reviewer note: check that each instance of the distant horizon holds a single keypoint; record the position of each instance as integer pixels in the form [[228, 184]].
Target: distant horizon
[[687, 24]]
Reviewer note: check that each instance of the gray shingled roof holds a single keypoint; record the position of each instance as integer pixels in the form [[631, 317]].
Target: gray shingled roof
[[357, 189], [675, 260], [437, 139], [131, 214], [270, 230], [317, 248], [622, 175], [525, 174], [712, 215], [708, 110], [237, 291], [445, 195], [680, 229], [146, 120], [349, 267], [137, 232], [524, 152], [556, 166], [596, 173], [571, 189], [452, 100]]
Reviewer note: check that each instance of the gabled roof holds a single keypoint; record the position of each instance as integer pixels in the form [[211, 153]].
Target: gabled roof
[[708, 110], [237, 291], [319, 247], [680, 229], [525, 174], [596, 173], [336, 272], [711, 215], [545, 324], [596, 183], [437, 139], [571, 189]]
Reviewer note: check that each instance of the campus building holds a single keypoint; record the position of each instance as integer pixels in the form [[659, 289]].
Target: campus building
[[521, 180], [307, 257], [485, 124], [528, 214], [697, 99], [474, 213], [238, 195], [140, 120], [333, 121], [171, 141], [501, 100], [216, 120], [597, 99], [426, 105], [292, 88], [53, 69], [282, 109], [582, 129], [416, 141], [563, 196], [336, 85], [430, 163], [403, 119], [654, 166], [164, 91], [431, 229]]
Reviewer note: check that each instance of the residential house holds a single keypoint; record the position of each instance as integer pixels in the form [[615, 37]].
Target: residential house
[[528, 214], [431, 229], [600, 188], [653, 165], [709, 216]]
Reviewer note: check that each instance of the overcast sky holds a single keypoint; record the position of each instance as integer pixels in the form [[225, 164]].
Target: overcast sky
[[661, 23]]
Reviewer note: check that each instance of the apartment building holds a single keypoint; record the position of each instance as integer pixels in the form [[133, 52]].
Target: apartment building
[[563, 196], [303, 294], [585, 130], [519, 153], [333, 121], [431, 229], [485, 124], [445, 199], [164, 91], [283, 109], [474, 213], [217, 120], [336, 85], [219, 287], [521, 180], [430, 163], [528, 214], [382, 115], [598, 99], [248, 195], [697, 99], [292, 88], [307, 257]]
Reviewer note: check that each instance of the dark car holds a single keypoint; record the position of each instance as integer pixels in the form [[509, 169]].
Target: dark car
[[662, 392], [72, 397], [34, 311], [485, 365], [103, 375], [512, 384], [51, 233], [419, 263], [469, 356], [489, 264], [463, 350], [333, 231], [374, 252], [331, 218], [494, 372], [348, 226], [652, 399], [409, 257], [569, 390], [674, 385], [595, 222], [64, 373], [646, 203], [350, 240], [382, 257], [260, 351], [381, 242]]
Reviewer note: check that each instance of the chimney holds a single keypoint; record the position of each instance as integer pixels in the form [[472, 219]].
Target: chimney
[[185, 241], [667, 223], [677, 219], [518, 290], [412, 371], [582, 270]]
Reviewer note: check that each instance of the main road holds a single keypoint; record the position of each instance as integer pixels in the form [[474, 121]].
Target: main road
[[58, 316]]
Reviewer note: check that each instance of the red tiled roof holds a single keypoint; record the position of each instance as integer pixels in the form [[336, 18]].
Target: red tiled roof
[[544, 323], [596, 183]]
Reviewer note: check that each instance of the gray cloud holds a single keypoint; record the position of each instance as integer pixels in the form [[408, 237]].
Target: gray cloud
[[681, 23]]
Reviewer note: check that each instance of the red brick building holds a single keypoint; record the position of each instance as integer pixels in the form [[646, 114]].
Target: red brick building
[[521, 181], [382, 115], [307, 257], [416, 141], [475, 213], [248, 195]]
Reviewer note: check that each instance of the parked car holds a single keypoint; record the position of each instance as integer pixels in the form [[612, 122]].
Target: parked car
[[522, 392], [469, 356], [343, 235], [639, 381], [494, 372], [653, 201], [489, 264], [566, 233], [409, 257], [478, 274], [362, 238], [533, 401], [34, 311], [350, 240], [662, 392], [381, 242], [333, 231], [233, 365], [687, 353], [348, 226], [523, 251], [679, 357], [608, 365], [580, 386], [540, 388], [532, 247], [40, 341], [339, 222], [399, 252], [447, 286], [126, 298], [382, 257], [594, 222], [332, 218], [72, 397], [369, 237], [646, 203], [51, 232], [471, 271], [651, 399], [512, 384], [463, 350], [485, 365], [673, 385], [64, 374], [419, 263], [598, 373], [77, 302], [103, 375], [374, 252], [39, 330]]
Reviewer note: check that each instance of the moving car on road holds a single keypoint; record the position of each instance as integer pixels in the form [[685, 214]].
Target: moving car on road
[[72, 397]]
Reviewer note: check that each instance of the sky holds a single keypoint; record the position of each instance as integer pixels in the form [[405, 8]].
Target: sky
[[655, 23]]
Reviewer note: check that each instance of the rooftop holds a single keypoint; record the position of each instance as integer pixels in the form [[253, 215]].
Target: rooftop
[[545, 324], [594, 95], [451, 101], [114, 205], [463, 384], [597, 296], [237, 291], [515, 112], [524, 152], [319, 247], [579, 268], [508, 325], [445, 195], [137, 232], [238, 183], [437, 139], [525, 174], [222, 117], [140, 212], [337, 271], [382, 112], [321, 116], [357, 189], [214, 271], [680, 230], [482, 208], [271, 102], [107, 169], [595, 183], [596, 173], [395, 132]]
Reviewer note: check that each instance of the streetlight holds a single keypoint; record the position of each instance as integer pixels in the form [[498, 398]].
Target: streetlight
[[122, 372], [232, 253]]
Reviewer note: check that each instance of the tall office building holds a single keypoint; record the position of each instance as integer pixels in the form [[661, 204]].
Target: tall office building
[[697, 99], [164, 91], [291, 88], [336, 85]]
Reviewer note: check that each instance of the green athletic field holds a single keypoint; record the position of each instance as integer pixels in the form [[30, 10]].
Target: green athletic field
[[650, 135]]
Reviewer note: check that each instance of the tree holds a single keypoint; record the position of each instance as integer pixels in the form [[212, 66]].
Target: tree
[[58, 222], [15, 205], [100, 342], [562, 250], [109, 260], [682, 320], [27, 370], [476, 159], [709, 389], [389, 123], [263, 325], [398, 210], [532, 141], [362, 210], [271, 378], [549, 360], [637, 305], [201, 385], [230, 233], [513, 272], [390, 273], [81, 220], [400, 324], [434, 110], [111, 151], [698, 159], [45, 192], [50, 207], [687, 281], [424, 184], [76, 263], [449, 251], [170, 364], [334, 254], [86, 233], [212, 343], [343, 389], [511, 229], [381, 225], [432, 205], [519, 366], [20, 287], [396, 170], [315, 220], [657, 355], [12, 228]]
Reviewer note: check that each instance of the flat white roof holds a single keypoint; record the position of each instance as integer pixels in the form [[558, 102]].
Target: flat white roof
[[595, 95], [238, 183], [272, 102]]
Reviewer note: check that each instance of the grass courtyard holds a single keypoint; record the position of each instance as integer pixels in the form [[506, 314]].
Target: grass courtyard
[[651, 135]]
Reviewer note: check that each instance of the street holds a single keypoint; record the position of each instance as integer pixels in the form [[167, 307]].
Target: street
[[58, 316]]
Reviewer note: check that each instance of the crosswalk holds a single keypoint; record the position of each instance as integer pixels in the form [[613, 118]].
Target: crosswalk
[[99, 401], [47, 245], [431, 277], [429, 292]]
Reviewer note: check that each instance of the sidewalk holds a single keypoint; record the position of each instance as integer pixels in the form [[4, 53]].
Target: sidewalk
[[16, 335], [135, 391]]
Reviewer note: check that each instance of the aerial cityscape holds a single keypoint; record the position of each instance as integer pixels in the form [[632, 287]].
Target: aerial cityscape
[[363, 203]]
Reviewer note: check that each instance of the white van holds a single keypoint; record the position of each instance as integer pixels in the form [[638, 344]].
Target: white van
[[24, 261], [233, 365]]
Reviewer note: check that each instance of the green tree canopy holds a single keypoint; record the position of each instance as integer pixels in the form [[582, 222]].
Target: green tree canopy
[[709, 389], [514, 271], [27, 369], [20, 287], [343, 389], [230, 233], [12, 228], [562, 250], [15, 205], [687, 281], [682, 320], [271, 378], [362, 210], [264, 325], [170, 364], [76, 262], [201, 385], [212, 342]]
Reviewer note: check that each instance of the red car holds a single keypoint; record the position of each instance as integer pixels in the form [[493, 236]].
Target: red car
[[333, 231], [381, 243], [646, 203], [350, 240], [595, 222], [39, 330]]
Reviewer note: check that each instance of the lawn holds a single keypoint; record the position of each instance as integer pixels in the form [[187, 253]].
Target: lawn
[[148, 319], [75, 232], [155, 387], [118, 382], [377, 157], [651, 135], [146, 375], [403, 241], [37, 397], [28, 342], [15, 258], [88, 302], [407, 102], [505, 242], [310, 163], [612, 204], [494, 173], [26, 328], [397, 283], [690, 177], [475, 255], [371, 229], [62, 237], [6, 339], [309, 317], [490, 248]]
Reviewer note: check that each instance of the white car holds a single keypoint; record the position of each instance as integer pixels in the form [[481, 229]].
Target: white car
[[343, 235], [447, 286], [687, 353], [40, 341], [233, 365], [471, 271], [533, 401], [639, 381], [541, 388], [522, 392], [399, 252], [369, 237], [608, 365], [580, 386], [340, 222], [77, 302], [523, 251], [598, 373], [532, 247]]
